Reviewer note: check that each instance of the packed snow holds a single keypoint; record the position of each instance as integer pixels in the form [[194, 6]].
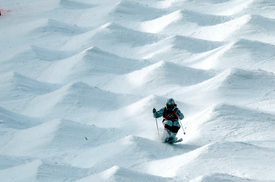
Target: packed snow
[[79, 80]]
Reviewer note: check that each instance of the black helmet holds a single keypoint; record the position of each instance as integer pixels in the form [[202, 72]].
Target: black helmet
[[170, 103]]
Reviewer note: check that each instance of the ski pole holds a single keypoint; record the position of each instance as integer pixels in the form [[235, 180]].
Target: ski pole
[[154, 111], [182, 127], [157, 125]]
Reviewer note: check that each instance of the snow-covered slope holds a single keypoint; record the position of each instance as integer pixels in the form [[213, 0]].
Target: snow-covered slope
[[79, 80]]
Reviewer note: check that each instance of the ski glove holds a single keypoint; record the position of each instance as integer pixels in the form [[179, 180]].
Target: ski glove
[[154, 113]]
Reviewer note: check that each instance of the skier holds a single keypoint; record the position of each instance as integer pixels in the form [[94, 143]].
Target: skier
[[171, 114]]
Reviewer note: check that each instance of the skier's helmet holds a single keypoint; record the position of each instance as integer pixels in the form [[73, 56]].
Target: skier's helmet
[[170, 103]]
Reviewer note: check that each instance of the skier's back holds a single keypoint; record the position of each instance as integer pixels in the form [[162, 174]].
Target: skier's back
[[171, 115]]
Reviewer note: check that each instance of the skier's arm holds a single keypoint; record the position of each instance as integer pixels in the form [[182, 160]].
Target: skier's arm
[[159, 113], [179, 114]]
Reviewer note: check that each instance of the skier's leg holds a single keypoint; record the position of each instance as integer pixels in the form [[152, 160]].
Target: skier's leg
[[173, 135], [168, 124], [174, 129], [168, 136]]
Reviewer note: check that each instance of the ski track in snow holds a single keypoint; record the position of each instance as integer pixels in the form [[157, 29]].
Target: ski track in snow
[[79, 79]]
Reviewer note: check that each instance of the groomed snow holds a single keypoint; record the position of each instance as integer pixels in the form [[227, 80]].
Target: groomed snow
[[79, 80]]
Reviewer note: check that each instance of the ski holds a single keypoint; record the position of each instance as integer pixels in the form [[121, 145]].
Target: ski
[[173, 141], [179, 140]]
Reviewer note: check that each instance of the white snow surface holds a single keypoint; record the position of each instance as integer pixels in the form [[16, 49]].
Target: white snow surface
[[79, 80]]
